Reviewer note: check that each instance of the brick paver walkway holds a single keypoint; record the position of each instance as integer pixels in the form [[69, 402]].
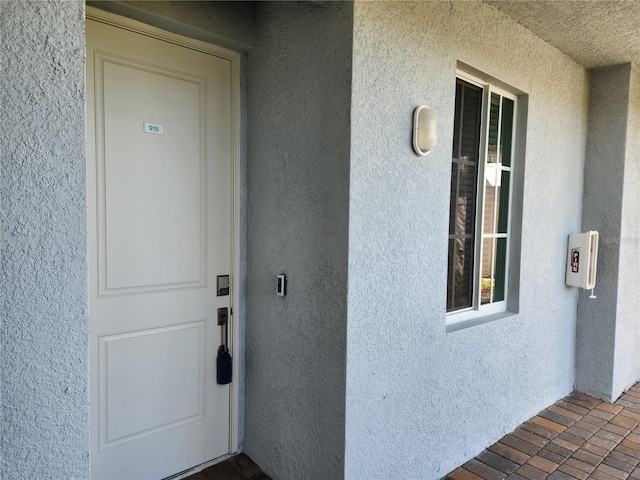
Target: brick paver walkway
[[579, 437], [238, 467]]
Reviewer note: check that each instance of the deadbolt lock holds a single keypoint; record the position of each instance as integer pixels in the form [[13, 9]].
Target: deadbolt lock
[[222, 287]]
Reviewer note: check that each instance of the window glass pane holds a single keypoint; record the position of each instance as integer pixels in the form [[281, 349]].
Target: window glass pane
[[460, 279], [466, 201], [503, 206], [494, 113], [506, 134], [462, 205], [500, 269], [477, 273], [486, 283], [491, 184], [463, 195], [470, 128], [462, 208], [457, 121], [455, 169]]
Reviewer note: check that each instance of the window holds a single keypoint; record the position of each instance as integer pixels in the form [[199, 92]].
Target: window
[[481, 199]]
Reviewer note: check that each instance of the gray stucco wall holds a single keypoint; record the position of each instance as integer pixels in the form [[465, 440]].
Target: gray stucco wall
[[299, 81], [226, 24], [420, 401], [627, 361], [43, 354], [603, 187], [607, 339]]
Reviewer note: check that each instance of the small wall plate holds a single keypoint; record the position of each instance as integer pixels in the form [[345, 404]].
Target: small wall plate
[[282, 285]]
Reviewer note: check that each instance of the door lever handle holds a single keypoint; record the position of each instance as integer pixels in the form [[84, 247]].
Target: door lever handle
[[223, 321]]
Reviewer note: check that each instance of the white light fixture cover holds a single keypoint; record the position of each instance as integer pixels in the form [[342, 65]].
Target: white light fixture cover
[[425, 130]]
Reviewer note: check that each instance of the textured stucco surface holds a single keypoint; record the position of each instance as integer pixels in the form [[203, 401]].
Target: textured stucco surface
[[607, 360], [44, 414], [226, 24], [627, 359], [298, 179], [593, 33], [603, 189], [419, 401]]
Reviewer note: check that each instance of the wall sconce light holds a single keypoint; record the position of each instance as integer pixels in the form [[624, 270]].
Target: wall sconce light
[[425, 130]]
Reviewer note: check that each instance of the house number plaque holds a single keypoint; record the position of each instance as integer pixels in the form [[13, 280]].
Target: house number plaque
[[154, 128]]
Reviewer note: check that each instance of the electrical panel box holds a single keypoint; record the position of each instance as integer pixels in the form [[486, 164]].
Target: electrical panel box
[[582, 260]]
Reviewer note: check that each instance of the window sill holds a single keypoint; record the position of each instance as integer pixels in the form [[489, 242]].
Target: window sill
[[454, 326]]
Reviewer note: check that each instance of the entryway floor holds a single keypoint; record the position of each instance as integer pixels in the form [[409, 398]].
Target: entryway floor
[[579, 437], [238, 467]]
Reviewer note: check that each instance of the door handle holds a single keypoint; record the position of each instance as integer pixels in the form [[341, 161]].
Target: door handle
[[223, 321]]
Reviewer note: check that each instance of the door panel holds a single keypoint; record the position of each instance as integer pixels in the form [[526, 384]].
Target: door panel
[[152, 207], [159, 193], [132, 382]]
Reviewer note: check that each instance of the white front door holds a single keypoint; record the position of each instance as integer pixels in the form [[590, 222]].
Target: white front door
[[159, 172]]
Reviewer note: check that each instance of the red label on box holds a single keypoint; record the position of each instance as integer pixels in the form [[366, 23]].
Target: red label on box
[[575, 260]]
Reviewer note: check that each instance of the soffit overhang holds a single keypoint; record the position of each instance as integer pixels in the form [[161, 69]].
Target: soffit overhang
[[593, 33]]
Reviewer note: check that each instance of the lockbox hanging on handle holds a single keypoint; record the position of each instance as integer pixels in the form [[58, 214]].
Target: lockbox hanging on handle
[[582, 260], [224, 366]]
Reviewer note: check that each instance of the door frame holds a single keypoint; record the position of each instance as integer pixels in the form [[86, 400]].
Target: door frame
[[236, 285]]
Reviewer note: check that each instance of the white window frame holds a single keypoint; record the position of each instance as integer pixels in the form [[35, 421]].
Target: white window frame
[[477, 311]]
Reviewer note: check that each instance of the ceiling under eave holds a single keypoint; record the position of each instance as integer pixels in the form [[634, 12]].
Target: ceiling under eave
[[593, 33]]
